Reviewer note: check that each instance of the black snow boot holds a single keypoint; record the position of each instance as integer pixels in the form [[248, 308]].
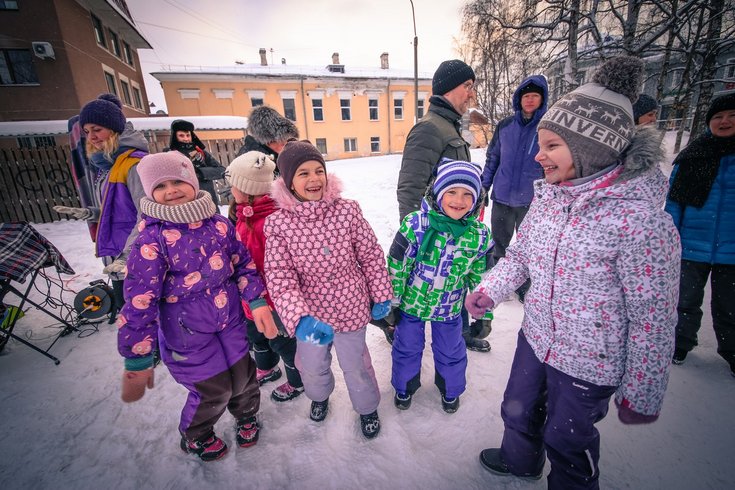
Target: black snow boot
[[370, 424], [319, 410]]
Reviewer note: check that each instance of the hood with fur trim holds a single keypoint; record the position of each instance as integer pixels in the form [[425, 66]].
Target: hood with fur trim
[[287, 201]]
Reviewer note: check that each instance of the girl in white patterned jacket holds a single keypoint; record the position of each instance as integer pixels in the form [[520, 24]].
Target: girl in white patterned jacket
[[602, 258]]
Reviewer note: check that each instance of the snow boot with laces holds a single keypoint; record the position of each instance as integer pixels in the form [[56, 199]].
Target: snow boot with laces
[[286, 392], [209, 448], [247, 432]]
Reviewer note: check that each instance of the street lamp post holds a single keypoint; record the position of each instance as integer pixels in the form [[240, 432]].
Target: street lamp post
[[415, 68]]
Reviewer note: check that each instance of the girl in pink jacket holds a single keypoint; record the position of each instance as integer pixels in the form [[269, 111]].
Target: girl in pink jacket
[[323, 268]]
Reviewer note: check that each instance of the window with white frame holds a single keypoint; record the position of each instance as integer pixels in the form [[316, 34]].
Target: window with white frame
[[375, 144], [114, 44], [318, 108], [125, 90], [256, 97], [111, 83], [373, 109], [420, 112], [16, 67], [344, 105], [289, 109], [128, 52], [137, 97], [350, 144], [256, 101], [674, 79], [99, 32], [730, 68], [398, 109], [321, 145]]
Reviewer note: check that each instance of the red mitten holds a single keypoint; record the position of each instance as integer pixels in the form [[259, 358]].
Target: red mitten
[[478, 304], [628, 416], [134, 384]]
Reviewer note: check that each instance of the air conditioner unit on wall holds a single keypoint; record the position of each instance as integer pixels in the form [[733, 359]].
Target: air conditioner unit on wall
[[43, 50]]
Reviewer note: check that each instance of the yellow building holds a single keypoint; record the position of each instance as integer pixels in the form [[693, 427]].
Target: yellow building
[[345, 112]]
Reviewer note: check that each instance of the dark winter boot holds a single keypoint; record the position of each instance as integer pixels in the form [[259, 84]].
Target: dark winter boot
[[402, 401], [286, 392], [680, 356], [370, 424], [450, 405], [267, 375], [480, 329], [247, 432], [319, 410], [477, 345], [491, 461], [209, 448]]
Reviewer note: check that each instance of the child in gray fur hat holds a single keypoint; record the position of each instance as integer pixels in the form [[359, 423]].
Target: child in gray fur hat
[[602, 258]]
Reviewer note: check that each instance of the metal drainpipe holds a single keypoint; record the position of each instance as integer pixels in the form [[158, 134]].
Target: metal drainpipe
[[303, 108], [388, 117]]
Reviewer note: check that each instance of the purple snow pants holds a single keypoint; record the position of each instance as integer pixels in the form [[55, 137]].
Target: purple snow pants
[[215, 367], [545, 409], [314, 362], [448, 346]]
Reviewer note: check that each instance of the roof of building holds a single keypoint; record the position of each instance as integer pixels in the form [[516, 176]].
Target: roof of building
[[59, 127]]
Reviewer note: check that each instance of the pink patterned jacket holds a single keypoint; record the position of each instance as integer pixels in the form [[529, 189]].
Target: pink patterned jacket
[[323, 259], [603, 259]]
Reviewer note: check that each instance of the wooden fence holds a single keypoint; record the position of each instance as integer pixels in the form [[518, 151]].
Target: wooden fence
[[33, 181]]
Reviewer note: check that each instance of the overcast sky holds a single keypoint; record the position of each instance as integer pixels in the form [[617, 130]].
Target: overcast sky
[[304, 32]]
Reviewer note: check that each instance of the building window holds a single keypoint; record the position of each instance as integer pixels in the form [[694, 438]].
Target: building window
[[420, 112], [128, 54], [373, 107], [99, 33], [125, 89], [730, 68], [321, 145], [289, 109], [114, 44], [375, 144], [36, 141], [8, 5], [137, 99], [318, 109], [398, 109], [350, 144], [111, 85], [344, 105], [16, 67], [256, 101]]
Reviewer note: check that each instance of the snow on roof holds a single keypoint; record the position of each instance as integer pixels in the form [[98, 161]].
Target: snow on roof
[[293, 70], [58, 127]]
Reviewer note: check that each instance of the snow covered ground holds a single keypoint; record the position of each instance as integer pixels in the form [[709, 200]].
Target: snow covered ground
[[65, 427]]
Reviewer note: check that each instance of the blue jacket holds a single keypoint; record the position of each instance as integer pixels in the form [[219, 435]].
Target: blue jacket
[[510, 167], [708, 233]]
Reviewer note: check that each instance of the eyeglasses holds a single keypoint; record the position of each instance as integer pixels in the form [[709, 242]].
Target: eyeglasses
[[469, 86]]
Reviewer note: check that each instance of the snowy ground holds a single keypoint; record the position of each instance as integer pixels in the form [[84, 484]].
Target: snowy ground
[[65, 426]]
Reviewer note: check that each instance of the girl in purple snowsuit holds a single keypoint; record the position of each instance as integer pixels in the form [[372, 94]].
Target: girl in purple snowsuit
[[186, 274]]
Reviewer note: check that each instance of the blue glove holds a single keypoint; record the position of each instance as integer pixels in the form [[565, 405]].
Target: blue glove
[[380, 310], [312, 330]]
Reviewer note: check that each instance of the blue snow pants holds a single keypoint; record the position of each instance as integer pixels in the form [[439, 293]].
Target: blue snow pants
[[547, 411], [448, 346]]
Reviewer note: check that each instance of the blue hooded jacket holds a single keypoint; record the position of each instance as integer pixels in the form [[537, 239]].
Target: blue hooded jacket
[[510, 167]]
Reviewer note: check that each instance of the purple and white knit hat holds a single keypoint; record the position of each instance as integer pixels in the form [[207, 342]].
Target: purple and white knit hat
[[456, 173]]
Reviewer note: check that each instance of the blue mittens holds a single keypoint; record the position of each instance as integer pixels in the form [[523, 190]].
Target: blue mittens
[[380, 310], [311, 330]]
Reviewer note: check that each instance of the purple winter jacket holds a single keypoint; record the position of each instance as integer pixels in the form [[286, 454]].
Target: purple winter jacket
[[188, 276]]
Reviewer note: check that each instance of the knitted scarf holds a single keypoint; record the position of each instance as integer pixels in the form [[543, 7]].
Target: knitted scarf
[[698, 164], [190, 212], [440, 223]]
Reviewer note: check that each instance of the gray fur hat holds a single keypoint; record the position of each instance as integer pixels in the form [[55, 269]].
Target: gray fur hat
[[266, 125], [596, 120]]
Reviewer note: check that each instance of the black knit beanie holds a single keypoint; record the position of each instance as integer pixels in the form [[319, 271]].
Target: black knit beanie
[[105, 111], [531, 88], [721, 103], [294, 154], [643, 105], [449, 75]]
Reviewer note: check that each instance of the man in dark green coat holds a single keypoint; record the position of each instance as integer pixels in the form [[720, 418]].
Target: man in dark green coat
[[437, 135]]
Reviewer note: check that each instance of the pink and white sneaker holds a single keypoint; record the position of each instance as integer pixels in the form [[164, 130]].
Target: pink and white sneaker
[[265, 376], [286, 392]]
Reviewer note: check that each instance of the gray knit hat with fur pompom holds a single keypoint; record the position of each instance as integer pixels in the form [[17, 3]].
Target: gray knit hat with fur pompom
[[596, 120], [267, 125]]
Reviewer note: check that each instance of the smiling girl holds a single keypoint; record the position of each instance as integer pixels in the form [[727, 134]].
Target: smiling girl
[[602, 256], [323, 267]]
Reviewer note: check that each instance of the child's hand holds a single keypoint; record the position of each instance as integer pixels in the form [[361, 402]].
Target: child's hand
[[628, 416], [380, 310], [478, 304], [263, 318], [312, 330], [134, 384]]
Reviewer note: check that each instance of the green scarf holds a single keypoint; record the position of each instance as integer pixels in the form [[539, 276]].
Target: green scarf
[[440, 223]]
